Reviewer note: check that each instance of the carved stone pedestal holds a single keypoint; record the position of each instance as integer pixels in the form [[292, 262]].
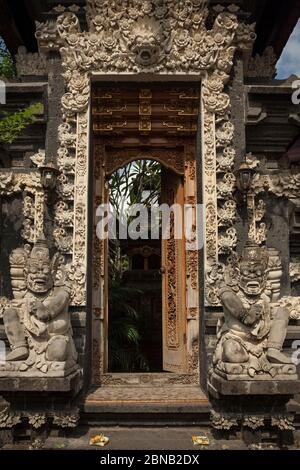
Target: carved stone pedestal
[[231, 386], [252, 406], [34, 405], [22, 383]]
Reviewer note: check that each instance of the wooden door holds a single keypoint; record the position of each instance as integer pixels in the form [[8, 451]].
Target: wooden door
[[173, 277]]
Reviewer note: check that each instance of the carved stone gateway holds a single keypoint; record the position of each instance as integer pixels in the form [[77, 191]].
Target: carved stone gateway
[[147, 41], [135, 39]]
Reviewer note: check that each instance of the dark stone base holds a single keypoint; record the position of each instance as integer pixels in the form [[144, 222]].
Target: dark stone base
[[249, 406], [219, 386], [72, 382]]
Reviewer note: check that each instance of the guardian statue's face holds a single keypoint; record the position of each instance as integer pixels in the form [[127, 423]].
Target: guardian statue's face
[[39, 276], [38, 270], [252, 269], [252, 278]]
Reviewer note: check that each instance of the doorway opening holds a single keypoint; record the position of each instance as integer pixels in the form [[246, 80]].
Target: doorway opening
[[135, 280], [154, 291]]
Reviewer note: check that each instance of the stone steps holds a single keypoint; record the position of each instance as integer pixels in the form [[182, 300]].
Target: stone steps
[[168, 405]]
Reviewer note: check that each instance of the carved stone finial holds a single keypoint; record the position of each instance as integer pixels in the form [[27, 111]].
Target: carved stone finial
[[263, 66], [28, 63]]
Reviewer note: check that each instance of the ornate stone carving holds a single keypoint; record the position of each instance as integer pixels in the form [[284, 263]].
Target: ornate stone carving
[[252, 332], [47, 36], [37, 420], [285, 184], [67, 418], [256, 212], [37, 322], [294, 272], [9, 418], [7, 183], [38, 158], [33, 197], [293, 306], [283, 422], [223, 421], [262, 66], [253, 421], [30, 63]]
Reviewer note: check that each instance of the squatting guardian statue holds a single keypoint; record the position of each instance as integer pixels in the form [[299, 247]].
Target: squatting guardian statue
[[37, 322], [252, 333]]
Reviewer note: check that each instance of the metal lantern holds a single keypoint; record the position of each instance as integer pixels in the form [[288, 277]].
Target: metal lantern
[[49, 173], [244, 176]]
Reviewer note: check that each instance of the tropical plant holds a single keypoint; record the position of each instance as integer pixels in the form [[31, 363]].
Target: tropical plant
[[12, 124], [128, 184], [124, 320], [124, 330], [7, 65]]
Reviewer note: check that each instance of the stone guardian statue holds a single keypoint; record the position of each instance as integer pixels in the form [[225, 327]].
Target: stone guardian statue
[[37, 322]]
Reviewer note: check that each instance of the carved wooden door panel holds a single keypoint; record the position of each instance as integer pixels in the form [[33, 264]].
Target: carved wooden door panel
[[100, 271], [173, 278]]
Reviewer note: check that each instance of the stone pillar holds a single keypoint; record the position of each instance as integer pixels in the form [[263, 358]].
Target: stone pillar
[[56, 90], [237, 98]]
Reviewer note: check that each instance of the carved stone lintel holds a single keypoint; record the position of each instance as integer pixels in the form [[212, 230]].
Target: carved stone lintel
[[285, 184]]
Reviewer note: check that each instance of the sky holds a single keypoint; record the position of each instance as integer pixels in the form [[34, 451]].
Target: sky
[[289, 62]]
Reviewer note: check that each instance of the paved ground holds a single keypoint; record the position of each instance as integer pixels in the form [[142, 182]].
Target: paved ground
[[149, 439]]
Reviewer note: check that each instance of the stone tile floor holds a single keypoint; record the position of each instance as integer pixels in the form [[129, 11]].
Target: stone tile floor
[[151, 438]]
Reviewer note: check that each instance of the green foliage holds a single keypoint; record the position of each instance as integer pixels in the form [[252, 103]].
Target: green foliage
[[124, 321], [123, 336], [7, 65], [11, 125], [127, 185]]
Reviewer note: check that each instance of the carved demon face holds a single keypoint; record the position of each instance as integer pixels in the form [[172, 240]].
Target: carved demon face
[[252, 278], [147, 51], [252, 270], [39, 276], [38, 270], [146, 42]]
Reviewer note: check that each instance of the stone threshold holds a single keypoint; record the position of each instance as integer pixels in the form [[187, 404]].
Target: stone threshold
[[165, 399], [155, 379]]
